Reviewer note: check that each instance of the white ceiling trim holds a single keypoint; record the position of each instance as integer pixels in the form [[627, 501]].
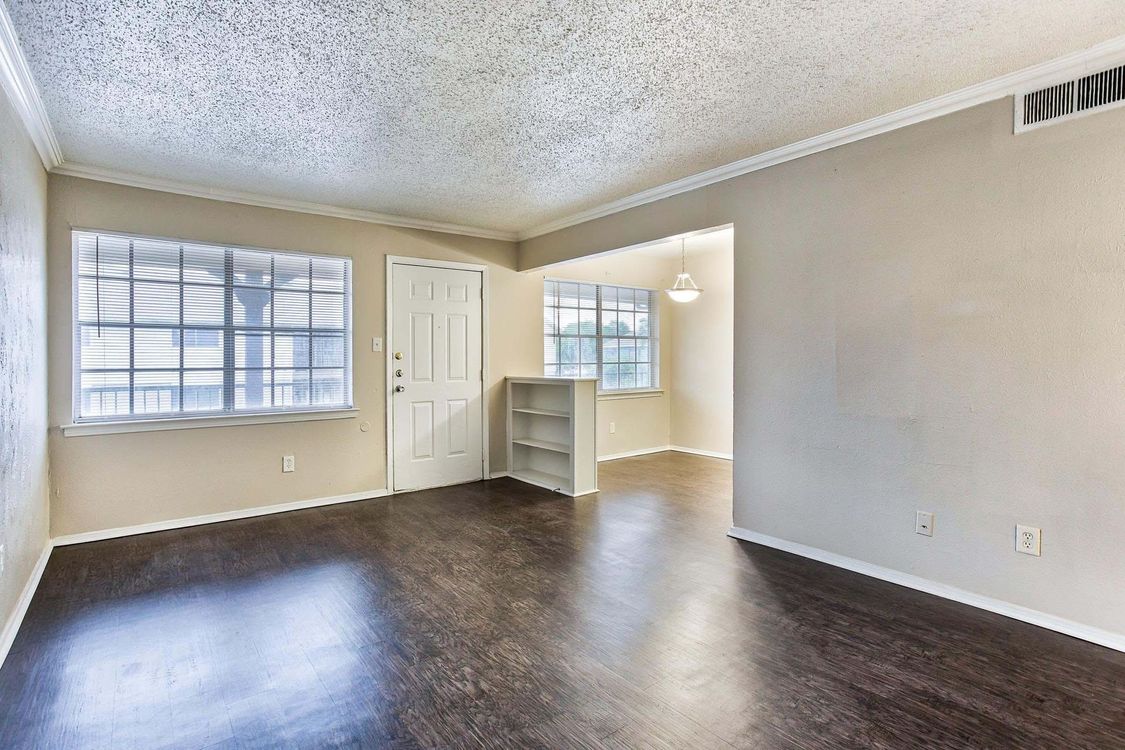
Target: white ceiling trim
[[18, 82], [1075, 64], [253, 199]]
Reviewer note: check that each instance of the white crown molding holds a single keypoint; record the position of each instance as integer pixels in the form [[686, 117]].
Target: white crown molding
[[1074, 629], [19, 83], [119, 177], [15, 75], [15, 619], [1099, 56]]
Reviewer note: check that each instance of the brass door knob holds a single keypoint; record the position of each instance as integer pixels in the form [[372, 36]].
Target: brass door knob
[[400, 388]]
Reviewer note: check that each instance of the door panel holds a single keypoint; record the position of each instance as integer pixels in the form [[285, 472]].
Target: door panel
[[457, 346], [437, 417], [421, 346], [458, 427], [457, 292], [421, 289], [422, 429]]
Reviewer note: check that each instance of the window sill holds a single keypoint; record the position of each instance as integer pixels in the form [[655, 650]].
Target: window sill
[[211, 420], [639, 393]]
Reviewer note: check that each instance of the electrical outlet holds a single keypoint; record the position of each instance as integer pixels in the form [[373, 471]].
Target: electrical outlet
[[924, 523], [288, 463], [612, 427], [1029, 540]]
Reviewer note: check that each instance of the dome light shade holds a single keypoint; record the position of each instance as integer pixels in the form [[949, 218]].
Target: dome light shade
[[684, 289]]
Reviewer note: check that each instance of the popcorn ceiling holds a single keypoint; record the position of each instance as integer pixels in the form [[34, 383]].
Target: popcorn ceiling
[[501, 115]]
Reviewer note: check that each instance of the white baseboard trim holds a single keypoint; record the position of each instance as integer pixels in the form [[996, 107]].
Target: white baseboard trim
[[630, 454], [230, 515], [700, 452], [12, 626], [498, 475], [1074, 629], [662, 449]]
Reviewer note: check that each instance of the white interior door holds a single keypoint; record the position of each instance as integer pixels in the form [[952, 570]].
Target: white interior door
[[436, 378]]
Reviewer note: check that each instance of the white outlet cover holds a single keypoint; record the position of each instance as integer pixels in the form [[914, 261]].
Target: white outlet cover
[[1029, 540], [924, 523], [288, 463], [612, 428], [376, 344]]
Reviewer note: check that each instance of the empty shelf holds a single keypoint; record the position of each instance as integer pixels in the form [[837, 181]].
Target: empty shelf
[[546, 445], [544, 412], [541, 478]]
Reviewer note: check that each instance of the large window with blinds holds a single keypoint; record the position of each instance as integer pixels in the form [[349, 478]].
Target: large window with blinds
[[173, 329], [601, 331]]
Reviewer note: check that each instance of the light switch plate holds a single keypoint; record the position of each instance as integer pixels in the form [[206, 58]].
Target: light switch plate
[[376, 344]]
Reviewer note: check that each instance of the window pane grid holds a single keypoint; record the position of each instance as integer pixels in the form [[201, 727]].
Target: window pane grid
[[272, 334], [602, 331]]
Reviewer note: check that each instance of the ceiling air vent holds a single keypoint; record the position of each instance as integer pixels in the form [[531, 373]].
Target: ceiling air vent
[[1066, 101]]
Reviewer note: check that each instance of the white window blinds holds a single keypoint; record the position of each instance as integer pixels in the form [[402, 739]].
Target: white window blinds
[[165, 329], [602, 331]]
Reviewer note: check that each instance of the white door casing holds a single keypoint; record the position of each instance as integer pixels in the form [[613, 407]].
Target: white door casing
[[437, 417]]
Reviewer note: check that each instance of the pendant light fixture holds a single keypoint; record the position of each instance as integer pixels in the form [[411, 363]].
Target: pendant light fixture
[[684, 289]]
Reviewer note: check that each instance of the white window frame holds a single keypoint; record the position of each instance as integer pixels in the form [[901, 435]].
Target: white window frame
[[653, 337], [229, 415]]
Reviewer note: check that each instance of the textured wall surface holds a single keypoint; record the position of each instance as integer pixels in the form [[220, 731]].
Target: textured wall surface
[[518, 112], [107, 481], [929, 319], [23, 358]]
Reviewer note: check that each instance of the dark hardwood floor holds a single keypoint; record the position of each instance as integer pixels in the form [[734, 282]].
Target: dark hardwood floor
[[500, 615]]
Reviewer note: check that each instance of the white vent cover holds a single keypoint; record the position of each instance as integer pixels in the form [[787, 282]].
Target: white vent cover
[[1066, 101]]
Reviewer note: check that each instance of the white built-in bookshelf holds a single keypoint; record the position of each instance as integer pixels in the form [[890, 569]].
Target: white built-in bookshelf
[[551, 433]]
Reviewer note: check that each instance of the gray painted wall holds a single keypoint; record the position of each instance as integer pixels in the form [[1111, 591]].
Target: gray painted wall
[[931, 319]]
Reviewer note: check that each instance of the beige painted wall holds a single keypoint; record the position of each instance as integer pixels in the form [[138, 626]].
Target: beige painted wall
[[108, 481], [702, 354], [694, 408], [23, 359], [929, 319], [642, 422]]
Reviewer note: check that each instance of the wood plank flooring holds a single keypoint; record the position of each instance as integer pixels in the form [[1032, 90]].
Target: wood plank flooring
[[500, 615]]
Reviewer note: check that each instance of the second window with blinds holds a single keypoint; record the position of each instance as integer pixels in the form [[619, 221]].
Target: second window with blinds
[[601, 331]]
